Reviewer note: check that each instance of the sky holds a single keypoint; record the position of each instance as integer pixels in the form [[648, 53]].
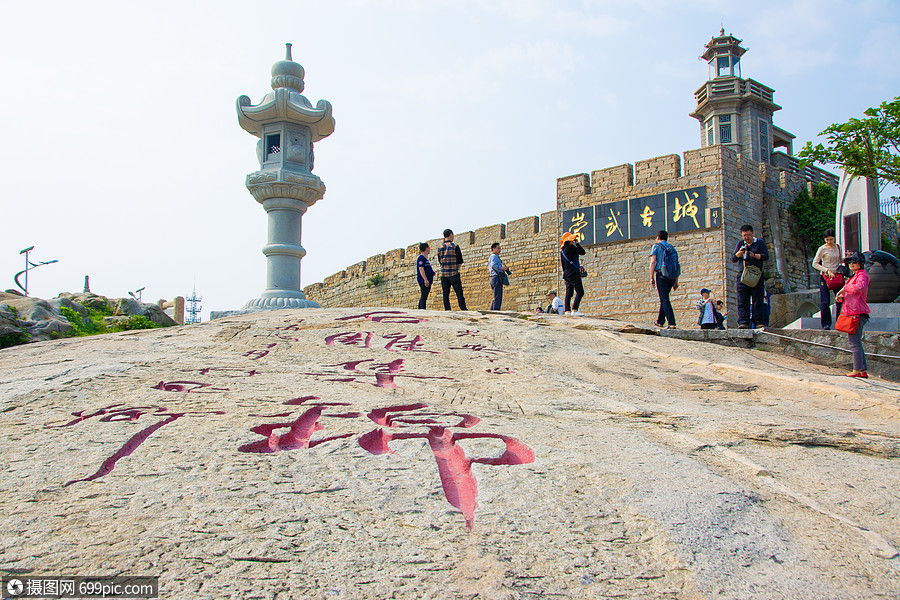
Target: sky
[[122, 158]]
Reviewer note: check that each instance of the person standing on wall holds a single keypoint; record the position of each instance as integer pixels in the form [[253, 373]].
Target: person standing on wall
[[856, 312], [751, 287], [498, 272], [572, 272], [828, 263], [664, 272], [424, 274], [450, 257]]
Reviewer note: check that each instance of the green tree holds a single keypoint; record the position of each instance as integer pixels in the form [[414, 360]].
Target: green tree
[[867, 147], [812, 214]]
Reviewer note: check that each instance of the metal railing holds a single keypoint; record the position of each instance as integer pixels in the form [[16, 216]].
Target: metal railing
[[890, 207], [811, 173]]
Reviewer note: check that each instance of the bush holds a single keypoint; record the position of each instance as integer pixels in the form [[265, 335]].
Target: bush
[[89, 325], [812, 215], [134, 322], [14, 339], [374, 280]]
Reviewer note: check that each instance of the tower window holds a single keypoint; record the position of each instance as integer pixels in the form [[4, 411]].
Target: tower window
[[763, 141], [723, 65], [725, 129], [710, 135], [273, 145]]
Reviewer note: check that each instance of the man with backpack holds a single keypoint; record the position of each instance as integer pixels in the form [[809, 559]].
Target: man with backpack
[[664, 272]]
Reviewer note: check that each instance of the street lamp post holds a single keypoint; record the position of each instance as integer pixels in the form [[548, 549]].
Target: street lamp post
[[28, 266]]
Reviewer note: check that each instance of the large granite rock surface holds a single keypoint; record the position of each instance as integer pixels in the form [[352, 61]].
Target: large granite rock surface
[[378, 453]]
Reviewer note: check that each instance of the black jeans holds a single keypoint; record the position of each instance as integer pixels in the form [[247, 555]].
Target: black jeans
[[497, 286], [664, 288], [825, 304], [574, 286], [423, 299], [456, 283], [751, 299]]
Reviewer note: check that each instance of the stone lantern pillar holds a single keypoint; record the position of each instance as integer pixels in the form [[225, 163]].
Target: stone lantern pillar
[[287, 126]]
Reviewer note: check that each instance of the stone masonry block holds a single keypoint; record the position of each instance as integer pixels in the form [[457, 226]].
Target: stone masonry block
[[612, 178], [657, 169], [572, 186], [523, 227], [490, 234], [374, 263], [396, 255]]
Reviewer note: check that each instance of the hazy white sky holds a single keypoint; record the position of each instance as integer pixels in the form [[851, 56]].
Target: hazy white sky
[[121, 154]]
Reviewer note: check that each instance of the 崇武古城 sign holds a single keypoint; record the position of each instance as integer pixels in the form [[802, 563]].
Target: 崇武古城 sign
[[676, 212]]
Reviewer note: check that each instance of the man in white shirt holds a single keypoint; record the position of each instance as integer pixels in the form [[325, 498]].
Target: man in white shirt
[[556, 304]]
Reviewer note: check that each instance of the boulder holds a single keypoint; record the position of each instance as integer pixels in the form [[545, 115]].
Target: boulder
[[129, 307], [158, 315], [59, 326], [61, 301]]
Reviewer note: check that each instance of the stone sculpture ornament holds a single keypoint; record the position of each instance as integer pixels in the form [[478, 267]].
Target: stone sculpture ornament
[[287, 126]]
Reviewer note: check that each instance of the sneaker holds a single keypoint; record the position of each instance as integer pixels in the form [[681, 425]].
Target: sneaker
[[826, 328], [658, 324], [743, 326], [577, 313], [861, 375], [568, 313]]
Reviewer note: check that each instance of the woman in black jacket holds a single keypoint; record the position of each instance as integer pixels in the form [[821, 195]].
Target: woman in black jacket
[[569, 254]]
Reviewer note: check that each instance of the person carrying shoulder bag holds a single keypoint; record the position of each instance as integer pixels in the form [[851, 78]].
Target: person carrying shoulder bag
[[855, 313]]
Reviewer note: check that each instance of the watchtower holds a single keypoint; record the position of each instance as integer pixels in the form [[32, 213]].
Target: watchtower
[[734, 111]]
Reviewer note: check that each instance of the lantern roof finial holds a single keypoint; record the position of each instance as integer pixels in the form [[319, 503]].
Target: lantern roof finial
[[286, 73]]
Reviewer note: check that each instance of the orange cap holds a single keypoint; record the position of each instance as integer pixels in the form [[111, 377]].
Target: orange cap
[[568, 237]]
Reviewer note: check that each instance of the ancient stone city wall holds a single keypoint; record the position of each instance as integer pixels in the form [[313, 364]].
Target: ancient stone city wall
[[618, 282], [528, 248]]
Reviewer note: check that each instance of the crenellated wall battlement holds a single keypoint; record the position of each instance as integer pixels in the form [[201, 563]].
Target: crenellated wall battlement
[[744, 190], [527, 249]]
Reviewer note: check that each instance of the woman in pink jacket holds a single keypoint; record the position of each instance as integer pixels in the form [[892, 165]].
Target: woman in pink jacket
[[853, 295]]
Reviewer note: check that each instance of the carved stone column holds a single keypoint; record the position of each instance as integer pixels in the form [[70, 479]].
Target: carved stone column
[[287, 125]]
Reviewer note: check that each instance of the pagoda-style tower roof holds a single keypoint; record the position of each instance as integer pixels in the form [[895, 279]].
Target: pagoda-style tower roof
[[285, 103]]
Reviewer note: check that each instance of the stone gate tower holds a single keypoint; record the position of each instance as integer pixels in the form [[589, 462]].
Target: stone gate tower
[[287, 126]]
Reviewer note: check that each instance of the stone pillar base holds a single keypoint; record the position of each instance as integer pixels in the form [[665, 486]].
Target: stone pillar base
[[279, 302]]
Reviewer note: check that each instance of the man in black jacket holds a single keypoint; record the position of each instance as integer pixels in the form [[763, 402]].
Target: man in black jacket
[[750, 251]]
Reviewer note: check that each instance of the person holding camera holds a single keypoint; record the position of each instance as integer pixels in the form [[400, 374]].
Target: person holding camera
[[572, 272], [751, 287], [497, 268], [709, 316]]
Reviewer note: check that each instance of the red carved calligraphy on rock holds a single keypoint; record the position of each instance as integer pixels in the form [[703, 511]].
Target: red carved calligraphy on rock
[[191, 387], [385, 316], [119, 412], [455, 469], [300, 430]]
